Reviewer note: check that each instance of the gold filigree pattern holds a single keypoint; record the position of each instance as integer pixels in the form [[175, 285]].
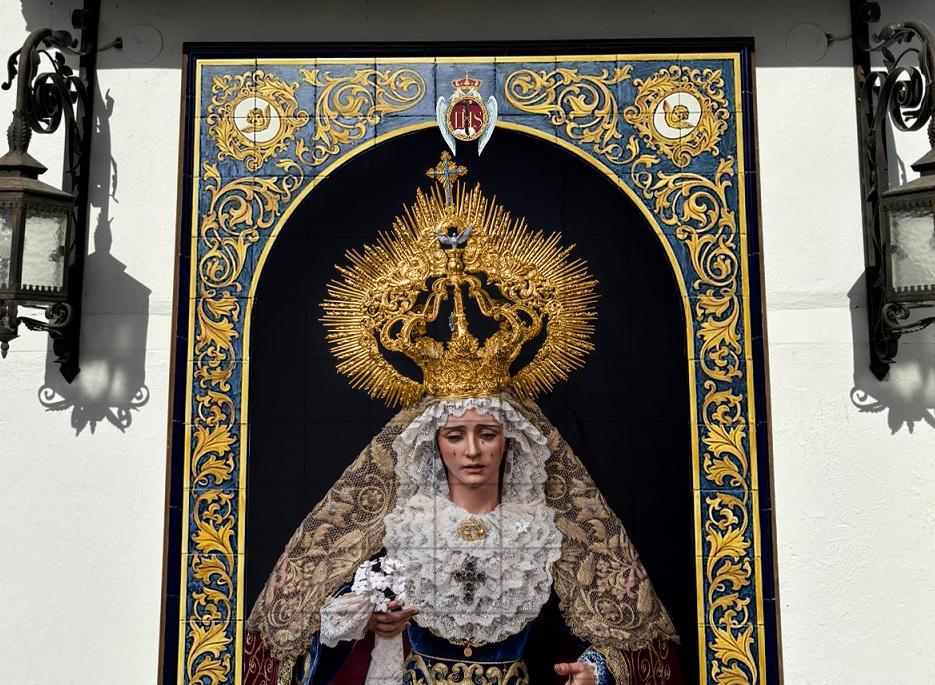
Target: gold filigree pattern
[[212, 608], [697, 208], [680, 112], [650, 666], [232, 222], [253, 116], [449, 672], [347, 106], [584, 104], [472, 529]]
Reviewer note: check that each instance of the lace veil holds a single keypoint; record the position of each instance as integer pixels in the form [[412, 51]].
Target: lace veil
[[419, 468], [604, 592]]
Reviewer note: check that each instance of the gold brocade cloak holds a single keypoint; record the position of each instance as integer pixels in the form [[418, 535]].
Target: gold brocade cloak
[[604, 593]]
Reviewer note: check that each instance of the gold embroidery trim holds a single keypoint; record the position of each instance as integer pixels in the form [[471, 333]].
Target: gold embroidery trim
[[450, 671]]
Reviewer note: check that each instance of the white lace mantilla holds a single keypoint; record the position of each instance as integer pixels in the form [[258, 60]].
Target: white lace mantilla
[[419, 467], [513, 561]]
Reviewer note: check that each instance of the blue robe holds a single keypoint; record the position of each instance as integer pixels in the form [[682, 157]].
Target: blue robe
[[507, 662]]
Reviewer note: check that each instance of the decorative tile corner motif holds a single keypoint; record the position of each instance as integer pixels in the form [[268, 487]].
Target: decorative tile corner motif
[[253, 116], [680, 111], [347, 106], [583, 103]]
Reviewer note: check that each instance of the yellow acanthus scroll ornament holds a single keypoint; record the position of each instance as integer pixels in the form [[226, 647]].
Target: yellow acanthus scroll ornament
[[454, 245]]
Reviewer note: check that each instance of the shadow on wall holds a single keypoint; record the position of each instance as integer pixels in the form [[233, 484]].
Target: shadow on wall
[[115, 313], [43, 13], [907, 394]]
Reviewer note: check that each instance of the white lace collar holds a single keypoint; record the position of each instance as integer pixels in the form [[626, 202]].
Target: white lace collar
[[481, 590]]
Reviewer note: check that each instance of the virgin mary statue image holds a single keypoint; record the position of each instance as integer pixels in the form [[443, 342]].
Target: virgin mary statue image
[[467, 526]]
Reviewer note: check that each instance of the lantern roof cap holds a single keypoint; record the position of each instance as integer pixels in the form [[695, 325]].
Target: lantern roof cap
[[926, 164], [20, 163], [925, 184], [19, 173]]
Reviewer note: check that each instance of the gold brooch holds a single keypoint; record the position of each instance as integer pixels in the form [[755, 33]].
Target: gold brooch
[[472, 529]]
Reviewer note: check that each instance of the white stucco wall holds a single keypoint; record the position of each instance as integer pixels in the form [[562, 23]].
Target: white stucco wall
[[82, 516]]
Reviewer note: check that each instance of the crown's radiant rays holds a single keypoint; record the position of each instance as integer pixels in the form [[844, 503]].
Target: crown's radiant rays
[[438, 250]]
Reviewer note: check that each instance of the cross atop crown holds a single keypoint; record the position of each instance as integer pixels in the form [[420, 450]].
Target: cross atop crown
[[447, 173]]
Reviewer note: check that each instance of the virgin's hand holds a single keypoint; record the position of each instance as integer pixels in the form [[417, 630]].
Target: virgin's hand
[[393, 622], [578, 672]]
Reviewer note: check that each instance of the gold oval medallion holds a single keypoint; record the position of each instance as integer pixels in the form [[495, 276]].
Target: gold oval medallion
[[472, 529]]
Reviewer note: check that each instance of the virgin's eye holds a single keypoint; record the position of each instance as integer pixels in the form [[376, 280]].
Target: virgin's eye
[[489, 436], [452, 437]]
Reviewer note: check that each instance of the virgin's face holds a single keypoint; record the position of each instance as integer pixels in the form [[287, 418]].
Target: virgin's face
[[472, 447]]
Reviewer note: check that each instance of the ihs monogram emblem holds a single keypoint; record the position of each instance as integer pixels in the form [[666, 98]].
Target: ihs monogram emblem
[[466, 116]]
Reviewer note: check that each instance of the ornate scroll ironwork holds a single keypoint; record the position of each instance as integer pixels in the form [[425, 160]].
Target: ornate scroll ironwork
[[43, 100], [903, 92], [347, 106], [584, 104]]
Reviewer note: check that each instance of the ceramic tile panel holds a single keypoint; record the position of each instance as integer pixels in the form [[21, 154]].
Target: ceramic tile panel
[[664, 128]]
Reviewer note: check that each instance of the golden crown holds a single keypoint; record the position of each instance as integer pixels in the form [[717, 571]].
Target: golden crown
[[451, 244], [467, 83]]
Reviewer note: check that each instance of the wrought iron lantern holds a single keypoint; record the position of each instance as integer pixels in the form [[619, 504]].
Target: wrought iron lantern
[[42, 228], [899, 222], [909, 236], [35, 243]]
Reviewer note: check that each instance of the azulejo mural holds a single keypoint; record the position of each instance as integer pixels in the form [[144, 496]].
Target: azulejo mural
[[667, 129]]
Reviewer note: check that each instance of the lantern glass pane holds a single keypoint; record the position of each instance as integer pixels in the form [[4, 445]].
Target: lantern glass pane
[[6, 242], [912, 245], [44, 248]]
